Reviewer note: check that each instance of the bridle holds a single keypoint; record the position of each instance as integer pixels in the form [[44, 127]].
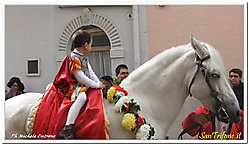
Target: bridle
[[221, 111]]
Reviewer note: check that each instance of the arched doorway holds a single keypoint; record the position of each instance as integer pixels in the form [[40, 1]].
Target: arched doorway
[[106, 39]]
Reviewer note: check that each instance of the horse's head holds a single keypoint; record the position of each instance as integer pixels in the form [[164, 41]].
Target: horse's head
[[210, 85]]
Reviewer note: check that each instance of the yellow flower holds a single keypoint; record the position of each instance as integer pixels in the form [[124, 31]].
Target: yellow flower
[[111, 93], [128, 121]]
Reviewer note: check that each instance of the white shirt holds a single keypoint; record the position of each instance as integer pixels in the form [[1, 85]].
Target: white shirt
[[92, 82]]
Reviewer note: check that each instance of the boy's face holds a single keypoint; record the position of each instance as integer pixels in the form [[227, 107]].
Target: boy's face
[[88, 46]]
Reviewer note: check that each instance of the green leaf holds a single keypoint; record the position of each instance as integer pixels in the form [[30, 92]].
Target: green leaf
[[104, 91], [117, 82], [134, 107]]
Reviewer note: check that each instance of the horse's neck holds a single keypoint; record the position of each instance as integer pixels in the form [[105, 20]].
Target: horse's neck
[[161, 73], [159, 86]]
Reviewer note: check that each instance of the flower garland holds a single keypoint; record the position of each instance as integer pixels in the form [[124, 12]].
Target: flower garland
[[131, 120]]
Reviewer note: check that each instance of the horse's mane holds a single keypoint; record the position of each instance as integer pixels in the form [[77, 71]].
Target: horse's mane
[[165, 58], [170, 58]]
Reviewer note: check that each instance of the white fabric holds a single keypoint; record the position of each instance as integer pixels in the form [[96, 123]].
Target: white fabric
[[82, 78], [92, 74], [76, 51], [75, 108], [101, 62], [93, 82]]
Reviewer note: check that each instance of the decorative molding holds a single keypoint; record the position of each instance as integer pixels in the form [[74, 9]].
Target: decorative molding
[[116, 53]]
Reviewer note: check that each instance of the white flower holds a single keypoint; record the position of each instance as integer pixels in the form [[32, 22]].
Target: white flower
[[120, 94], [120, 103], [143, 132]]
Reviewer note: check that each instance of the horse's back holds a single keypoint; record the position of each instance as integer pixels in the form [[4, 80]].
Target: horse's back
[[16, 112]]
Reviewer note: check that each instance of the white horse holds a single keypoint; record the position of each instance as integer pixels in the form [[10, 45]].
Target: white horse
[[160, 86]]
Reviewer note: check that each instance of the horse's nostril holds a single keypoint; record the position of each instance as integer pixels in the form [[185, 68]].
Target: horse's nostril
[[238, 117]]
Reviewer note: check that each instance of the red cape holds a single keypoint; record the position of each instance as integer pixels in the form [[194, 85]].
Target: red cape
[[53, 109]]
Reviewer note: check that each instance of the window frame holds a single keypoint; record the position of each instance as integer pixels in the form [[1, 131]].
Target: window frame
[[38, 67]]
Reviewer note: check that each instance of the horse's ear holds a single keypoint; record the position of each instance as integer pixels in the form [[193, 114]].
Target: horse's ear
[[200, 49]]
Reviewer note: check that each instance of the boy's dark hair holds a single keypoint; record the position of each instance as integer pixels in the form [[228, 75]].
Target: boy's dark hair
[[81, 39], [107, 78], [236, 70], [119, 67]]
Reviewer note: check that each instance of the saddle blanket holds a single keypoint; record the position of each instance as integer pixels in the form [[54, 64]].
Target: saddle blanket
[[48, 116]]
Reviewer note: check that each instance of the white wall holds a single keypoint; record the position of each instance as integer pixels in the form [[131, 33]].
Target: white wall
[[33, 31], [29, 33]]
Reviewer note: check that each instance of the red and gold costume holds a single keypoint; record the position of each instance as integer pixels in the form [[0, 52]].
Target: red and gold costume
[[56, 101]]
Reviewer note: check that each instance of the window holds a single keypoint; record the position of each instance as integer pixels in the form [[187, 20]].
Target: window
[[33, 67], [99, 57], [100, 39]]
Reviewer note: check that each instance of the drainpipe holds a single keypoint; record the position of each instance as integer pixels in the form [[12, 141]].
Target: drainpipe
[[136, 37]]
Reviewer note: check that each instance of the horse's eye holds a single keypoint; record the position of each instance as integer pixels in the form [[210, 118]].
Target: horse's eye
[[215, 75]]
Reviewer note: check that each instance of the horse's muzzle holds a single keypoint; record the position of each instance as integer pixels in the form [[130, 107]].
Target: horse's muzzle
[[224, 116], [237, 118]]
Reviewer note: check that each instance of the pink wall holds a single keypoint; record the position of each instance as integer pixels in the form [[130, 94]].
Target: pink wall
[[222, 26]]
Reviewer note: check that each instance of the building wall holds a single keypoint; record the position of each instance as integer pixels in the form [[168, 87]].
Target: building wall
[[30, 33], [34, 31], [221, 26]]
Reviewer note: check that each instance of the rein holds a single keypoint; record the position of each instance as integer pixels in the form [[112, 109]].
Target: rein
[[210, 117]]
